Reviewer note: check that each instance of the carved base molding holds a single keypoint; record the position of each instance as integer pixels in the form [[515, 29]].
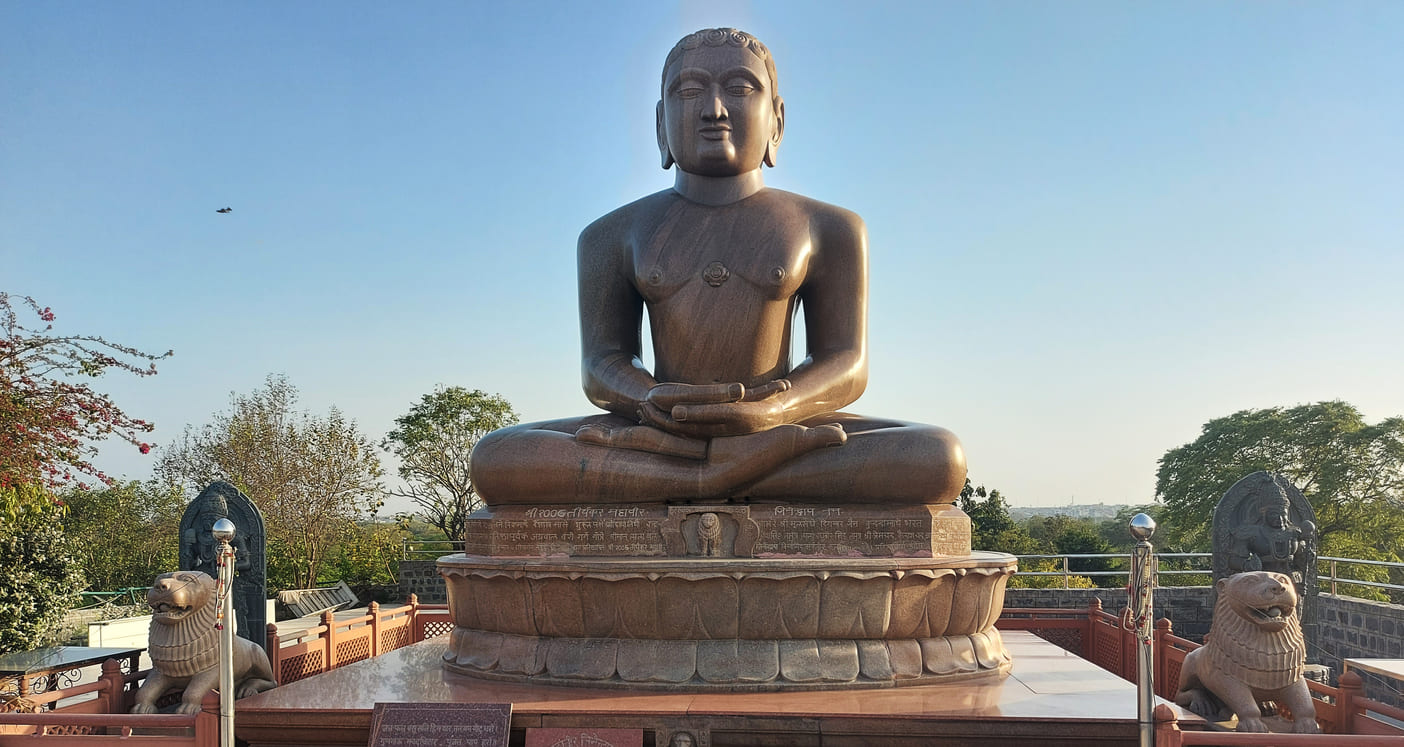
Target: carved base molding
[[730, 665], [727, 624]]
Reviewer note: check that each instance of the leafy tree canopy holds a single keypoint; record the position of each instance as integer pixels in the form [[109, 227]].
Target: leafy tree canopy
[[433, 442], [50, 416], [1352, 472], [124, 535], [39, 577], [312, 476]]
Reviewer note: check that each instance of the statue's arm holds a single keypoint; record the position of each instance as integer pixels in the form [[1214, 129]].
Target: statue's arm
[[611, 313], [835, 300]]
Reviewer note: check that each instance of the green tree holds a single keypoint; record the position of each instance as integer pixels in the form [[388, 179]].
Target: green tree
[[39, 577], [1352, 472], [51, 420], [992, 528], [312, 476], [368, 559], [126, 534], [433, 442]]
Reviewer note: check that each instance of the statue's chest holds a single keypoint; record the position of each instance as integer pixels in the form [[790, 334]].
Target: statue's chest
[[720, 259]]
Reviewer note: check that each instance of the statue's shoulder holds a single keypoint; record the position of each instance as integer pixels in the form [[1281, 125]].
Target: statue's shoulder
[[619, 223], [821, 214]]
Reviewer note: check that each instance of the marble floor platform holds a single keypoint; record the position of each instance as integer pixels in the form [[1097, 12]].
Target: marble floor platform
[[1050, 698]]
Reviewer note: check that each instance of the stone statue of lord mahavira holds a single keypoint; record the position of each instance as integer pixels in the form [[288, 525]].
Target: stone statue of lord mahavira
[[721, 263]]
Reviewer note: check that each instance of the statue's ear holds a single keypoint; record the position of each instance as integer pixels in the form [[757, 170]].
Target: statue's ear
[[663, 151], [772, 147]]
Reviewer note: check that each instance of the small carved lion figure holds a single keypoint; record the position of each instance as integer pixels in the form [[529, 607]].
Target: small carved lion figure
[[184, 645], [1254, 653], [709, 535]]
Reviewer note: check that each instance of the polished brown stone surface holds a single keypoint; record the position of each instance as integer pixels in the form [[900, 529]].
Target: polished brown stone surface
[[727, 624], [1048, 693], [722, 266]]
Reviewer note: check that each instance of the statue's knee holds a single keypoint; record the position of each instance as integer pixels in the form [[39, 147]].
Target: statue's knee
[[488, 464], [941, 458]]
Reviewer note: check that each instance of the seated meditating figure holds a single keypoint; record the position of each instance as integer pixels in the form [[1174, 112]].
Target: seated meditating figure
[[722, 264]]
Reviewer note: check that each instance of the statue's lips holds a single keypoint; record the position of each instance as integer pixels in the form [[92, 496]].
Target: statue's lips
[[1275, 614], [715, 133], [166, 610]]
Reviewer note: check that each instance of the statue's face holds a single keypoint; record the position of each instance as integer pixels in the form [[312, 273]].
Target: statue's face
[[718, 111]]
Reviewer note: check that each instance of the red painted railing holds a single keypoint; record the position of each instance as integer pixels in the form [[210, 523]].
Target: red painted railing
[[336, 643], [1348, 718], [104, 719]]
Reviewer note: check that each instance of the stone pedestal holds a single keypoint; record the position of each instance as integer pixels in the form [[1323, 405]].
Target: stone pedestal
[[725, 597]]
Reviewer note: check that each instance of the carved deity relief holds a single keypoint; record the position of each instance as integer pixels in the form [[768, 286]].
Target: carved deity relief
[[199, 552], [1264, 523]]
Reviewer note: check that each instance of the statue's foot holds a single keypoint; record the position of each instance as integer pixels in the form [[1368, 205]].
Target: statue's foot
[[143, 708], [733, 461], [1306, 726], [254, 686], [187, 708], [641, 438]]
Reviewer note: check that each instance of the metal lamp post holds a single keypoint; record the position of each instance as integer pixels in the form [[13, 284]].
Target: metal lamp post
[[223, 530], [1143, 618]]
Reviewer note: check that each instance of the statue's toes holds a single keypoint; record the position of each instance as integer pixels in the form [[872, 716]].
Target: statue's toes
[[1255, 725], [1306, 726], [591, 433], [820, 436], [143, 708], [254, 687], [188, 708]]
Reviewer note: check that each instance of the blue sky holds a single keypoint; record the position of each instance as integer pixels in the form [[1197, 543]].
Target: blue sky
[[1093, 226]]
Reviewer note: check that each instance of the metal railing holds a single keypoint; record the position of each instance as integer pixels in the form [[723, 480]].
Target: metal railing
[[417, 549], [1329, 580]]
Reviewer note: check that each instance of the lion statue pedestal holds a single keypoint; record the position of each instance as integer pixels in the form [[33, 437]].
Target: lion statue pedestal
[[184, 645], [1254, 653]]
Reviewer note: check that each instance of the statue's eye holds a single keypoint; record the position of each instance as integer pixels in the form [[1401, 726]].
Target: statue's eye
[[690, 91], [739, 88]]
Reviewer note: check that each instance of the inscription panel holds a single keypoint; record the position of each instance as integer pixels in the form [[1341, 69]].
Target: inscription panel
[[861, 531], [440, 724], [781, 530], [572, 737], [609, 531]]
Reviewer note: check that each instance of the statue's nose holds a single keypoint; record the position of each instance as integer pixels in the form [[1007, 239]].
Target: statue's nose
[[715, 108]]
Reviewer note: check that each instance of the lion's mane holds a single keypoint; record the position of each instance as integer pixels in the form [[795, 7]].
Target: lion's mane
[[189, 645], [1239, 648]]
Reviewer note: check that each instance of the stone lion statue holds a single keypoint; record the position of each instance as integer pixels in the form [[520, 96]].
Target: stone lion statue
[[1254, 653], [184, 645]]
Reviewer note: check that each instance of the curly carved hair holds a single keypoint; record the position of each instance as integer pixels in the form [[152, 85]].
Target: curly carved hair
[[720, 37]]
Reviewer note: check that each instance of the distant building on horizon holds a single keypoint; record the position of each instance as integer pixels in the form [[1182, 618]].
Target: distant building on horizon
[[1096, 511]]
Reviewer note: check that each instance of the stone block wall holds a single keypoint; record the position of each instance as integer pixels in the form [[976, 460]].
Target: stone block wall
[[422, 577], [1350, 628]]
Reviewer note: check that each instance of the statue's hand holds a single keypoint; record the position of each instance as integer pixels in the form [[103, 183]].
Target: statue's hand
[[712, 410], [667, 396]]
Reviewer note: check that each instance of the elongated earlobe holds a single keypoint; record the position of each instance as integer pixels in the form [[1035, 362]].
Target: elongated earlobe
[[663, 151], [772, 148]]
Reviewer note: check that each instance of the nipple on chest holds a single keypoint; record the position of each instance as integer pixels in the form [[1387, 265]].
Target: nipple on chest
[[715, 274]]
